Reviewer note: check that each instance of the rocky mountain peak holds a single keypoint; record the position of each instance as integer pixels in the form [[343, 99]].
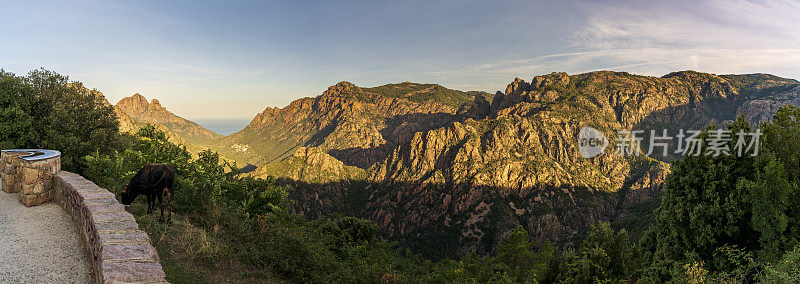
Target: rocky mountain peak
[[138, 103], [135, 111], [517, 87], [480, 108], [560, 78], [342, 88], [138, 98], [133, 105]]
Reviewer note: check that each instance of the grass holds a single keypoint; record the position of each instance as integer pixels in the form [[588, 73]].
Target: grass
[[190, 254]]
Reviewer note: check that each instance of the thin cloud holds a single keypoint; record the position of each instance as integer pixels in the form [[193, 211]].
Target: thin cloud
[[717, 36]]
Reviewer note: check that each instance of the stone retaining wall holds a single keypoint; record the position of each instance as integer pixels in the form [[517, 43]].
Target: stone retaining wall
[[120, 252], [30, 173]]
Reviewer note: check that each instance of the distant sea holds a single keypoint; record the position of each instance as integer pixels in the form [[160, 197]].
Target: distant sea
[[223, 126]]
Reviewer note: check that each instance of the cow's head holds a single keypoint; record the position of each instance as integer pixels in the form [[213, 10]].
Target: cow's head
[[127, 196]]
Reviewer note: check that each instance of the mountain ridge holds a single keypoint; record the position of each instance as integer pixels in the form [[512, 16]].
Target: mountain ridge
[[442, 168], [345, 117], [135, 111], [513, 161]]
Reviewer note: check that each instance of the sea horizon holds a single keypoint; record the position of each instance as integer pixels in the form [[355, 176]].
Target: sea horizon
[[223, 126]]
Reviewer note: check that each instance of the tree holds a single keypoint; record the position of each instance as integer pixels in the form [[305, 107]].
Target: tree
[[702, 209], [721, 211], [782, 137], [603, 255], [46, 110], [16, 101], [774, 190], [515, 251], [771, 194]]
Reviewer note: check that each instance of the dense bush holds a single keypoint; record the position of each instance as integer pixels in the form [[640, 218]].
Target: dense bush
[[46, 110], [200, 183], [247, 217], [787, 270], [603, 255], [730, 216]]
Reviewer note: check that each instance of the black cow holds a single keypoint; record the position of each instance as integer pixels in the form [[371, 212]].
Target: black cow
[[154, 181]]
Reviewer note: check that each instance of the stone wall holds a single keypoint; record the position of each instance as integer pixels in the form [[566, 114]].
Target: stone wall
[[30, 173], [9, 163], [120, 252]]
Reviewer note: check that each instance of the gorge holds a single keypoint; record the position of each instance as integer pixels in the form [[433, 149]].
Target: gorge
[[445, 172]]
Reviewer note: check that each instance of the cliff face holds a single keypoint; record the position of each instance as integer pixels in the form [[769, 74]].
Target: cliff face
[[479, 178], [762, 109], [135, 111], [356, 126], [311, 164], [446, 172]]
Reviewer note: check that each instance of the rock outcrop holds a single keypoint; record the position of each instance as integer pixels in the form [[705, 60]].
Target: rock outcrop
[[761, 110], [446, 172], [356, 126], [311, 164], [469, 182], [135, 111]]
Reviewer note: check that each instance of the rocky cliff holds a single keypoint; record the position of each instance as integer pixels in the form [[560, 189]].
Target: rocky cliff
[[445, 172], [135, 111], [762, 109], [353, 125], [467, 183]]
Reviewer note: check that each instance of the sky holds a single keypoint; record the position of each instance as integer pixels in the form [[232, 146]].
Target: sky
[[207, 60]]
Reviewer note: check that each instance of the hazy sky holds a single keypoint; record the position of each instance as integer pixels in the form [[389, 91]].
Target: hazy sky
[[231, 59]]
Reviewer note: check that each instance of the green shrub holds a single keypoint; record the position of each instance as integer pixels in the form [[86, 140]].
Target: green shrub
[[46, 110], [787, 270]]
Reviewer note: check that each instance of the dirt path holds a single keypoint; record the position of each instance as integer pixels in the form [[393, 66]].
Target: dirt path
[[40, 244]]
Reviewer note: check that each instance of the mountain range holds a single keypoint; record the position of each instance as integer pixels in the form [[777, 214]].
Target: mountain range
[[445, 171]]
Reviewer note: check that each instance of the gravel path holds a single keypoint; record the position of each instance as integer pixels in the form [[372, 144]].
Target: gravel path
[[40, 244]]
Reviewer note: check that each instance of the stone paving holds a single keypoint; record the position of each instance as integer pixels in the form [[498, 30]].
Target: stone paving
[[40, 244]]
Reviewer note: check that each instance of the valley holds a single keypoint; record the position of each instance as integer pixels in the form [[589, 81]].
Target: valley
[[446, 172]]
